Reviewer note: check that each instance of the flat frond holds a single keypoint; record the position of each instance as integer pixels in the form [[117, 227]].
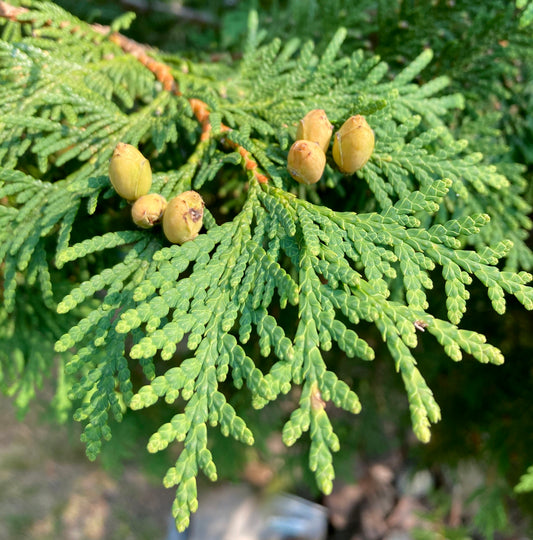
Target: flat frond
[[282, 276]]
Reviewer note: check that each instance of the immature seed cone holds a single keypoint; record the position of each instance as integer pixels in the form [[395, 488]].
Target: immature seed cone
[[353, 144], [306, 162], [130, 172], [148, 210], [183, 217], [315, 127]]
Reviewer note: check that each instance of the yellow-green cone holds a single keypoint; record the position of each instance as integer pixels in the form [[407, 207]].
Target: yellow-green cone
[[148, 210], [183, 217], [353, 144], [306, 162], [315, 127], [130, 172]]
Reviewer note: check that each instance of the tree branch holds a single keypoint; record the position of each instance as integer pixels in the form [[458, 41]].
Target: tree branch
[[161, 71], [173, 8]]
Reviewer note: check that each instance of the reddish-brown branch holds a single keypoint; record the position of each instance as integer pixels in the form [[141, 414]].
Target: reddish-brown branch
[[7, 11], [173, 9], [201, 112], [162, 73], [129, 46]]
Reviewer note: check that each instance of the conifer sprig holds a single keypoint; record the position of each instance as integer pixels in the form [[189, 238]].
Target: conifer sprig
[[424, 197]]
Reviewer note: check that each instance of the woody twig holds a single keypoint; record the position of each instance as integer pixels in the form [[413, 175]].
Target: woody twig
[[201, 112], [161, 71]]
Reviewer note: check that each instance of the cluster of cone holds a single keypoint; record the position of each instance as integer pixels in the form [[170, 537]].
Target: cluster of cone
[[131, 176], [353, 145]]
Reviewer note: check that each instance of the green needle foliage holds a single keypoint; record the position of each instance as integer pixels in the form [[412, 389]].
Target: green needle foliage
[[298, 271]]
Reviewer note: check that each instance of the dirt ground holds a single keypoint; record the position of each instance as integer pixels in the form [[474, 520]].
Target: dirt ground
[[49, 490]]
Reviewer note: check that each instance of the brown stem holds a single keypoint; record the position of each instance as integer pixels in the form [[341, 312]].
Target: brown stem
[[159, 69], [175, 9], [7, 11], [129, 46], [201, 112], [162, 73]]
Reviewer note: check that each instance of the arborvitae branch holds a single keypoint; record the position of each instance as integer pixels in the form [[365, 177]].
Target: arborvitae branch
[[72, 92]]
